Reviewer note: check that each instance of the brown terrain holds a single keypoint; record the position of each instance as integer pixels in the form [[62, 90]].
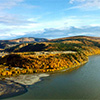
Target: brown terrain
[[76, 37], [24, 40]]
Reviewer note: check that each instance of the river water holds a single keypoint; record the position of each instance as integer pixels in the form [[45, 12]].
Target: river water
[[82, 83]]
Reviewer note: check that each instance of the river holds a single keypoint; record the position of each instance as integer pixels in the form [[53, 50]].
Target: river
[[82, 83]]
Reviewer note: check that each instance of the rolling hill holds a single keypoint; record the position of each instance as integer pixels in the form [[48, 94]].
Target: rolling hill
[[63, 44], [23, 59], [14, 42]]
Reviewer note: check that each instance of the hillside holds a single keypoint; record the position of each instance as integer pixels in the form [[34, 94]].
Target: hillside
[[21, 64], [63, 44], [24, 40], [54, 55], [75, 38], [14, 42], [28, 40]]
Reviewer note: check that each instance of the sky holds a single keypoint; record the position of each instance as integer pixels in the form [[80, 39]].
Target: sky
[[49, 18]]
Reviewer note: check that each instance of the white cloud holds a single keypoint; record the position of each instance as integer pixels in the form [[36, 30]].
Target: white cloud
[[7, 4], [29, 6], [52, 32], [85, 4], [27, 26], [72, 1], [12, 22], [8, 19], [65, 32], [95, 25]]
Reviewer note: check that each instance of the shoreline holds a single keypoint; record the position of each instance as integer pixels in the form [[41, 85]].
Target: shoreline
[[28, 79], [15, 86], [10, 89], [74, 67], [20, 83]]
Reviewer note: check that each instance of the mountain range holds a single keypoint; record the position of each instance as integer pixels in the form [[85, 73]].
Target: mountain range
[[14, 42], [30, 44]]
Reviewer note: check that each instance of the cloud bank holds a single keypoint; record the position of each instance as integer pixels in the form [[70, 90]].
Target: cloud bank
[[65, 32]]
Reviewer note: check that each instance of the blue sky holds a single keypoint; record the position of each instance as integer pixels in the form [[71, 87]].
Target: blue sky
[[49, 18]]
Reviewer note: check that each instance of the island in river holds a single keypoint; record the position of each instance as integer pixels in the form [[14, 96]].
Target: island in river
[[52, 56]]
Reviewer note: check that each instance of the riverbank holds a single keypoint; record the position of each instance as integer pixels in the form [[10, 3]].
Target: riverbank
[[13, 86], [67, 86], [29, 64], [30, 79], [76, 67], [10, 88]]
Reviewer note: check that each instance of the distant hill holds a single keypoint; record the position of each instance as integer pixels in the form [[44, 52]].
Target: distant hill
[[24, 40], [14, 42], [75, 38], [75, 43]]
